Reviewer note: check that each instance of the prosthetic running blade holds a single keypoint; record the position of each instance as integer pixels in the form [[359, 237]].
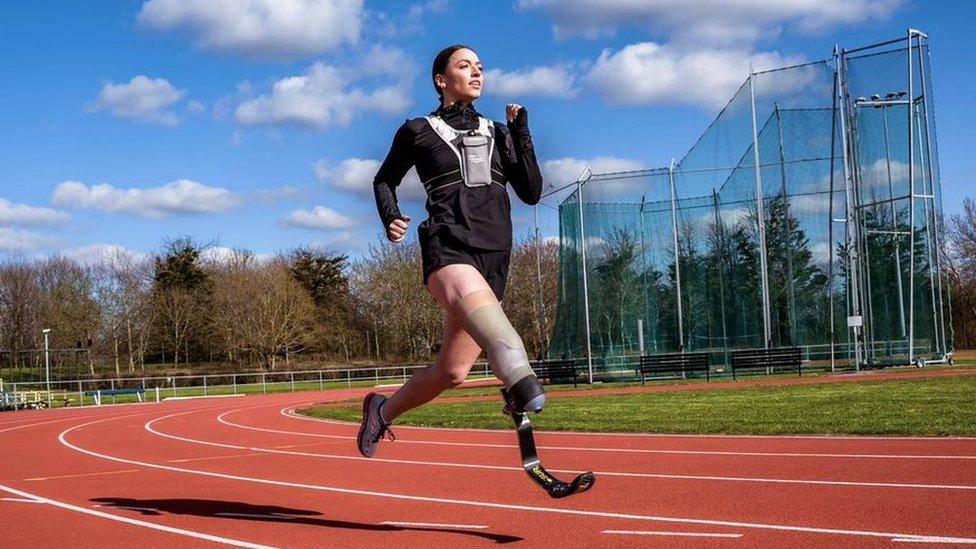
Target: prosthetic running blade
[[533, 466]]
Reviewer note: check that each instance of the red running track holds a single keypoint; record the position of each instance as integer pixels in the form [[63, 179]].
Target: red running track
[[246, 472]]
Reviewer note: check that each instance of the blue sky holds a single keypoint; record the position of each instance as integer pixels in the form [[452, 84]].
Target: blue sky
[[257, 123]]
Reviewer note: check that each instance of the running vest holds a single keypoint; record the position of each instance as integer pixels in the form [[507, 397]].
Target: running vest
[[473, 149]]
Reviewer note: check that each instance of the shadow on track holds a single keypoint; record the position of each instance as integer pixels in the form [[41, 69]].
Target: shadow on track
[[269, 513]]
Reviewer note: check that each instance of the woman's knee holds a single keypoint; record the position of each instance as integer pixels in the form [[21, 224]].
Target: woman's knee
[[453, 375]]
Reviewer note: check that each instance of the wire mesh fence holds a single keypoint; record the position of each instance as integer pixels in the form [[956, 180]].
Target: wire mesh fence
[[806, 215]]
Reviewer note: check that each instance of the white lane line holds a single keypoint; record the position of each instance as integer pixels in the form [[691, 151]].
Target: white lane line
[[934, 539], [434, 525], [221, 419], [62, 437], [289, 411], [21, 500], [649, 451], [662, 533], [142, 523]]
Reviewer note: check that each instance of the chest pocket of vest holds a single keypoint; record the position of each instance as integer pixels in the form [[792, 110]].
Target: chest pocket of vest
[[475, 160]]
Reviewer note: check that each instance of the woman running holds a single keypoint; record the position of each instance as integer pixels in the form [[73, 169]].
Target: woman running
[[464, 161]]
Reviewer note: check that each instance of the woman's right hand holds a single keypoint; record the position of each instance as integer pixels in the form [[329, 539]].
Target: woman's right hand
[[397, 230]]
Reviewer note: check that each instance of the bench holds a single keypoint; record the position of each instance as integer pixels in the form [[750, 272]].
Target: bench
[[35, 399], [554, 370], [99, 393], [769, 359], [673, 363]]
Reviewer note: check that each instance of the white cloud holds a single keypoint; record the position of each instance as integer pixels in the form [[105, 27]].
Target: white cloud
[[142, 98], [195, 107], [22, 214], [705, 21], [101, 254], [560, 171], [320, 97], [320, 218], [278, 194], [182, 196], [650, 73], [551, 81], [259, 28], [355, 176], [13, 240]]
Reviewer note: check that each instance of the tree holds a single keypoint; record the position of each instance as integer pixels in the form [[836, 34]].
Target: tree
[[531, 307], [323, 275], [180, 292], [961, 265], [67, 304]]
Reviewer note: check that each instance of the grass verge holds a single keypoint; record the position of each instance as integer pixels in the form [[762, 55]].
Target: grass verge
[[908, 407]]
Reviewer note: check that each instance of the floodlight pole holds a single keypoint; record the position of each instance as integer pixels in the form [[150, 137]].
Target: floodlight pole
[[677, 258], [760, 214], [47, 365], [586, 173]]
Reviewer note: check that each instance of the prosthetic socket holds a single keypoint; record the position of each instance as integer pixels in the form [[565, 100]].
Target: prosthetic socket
[[485, 320]]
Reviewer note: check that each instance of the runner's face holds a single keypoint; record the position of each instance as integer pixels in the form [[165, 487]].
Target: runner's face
[[462, 78]]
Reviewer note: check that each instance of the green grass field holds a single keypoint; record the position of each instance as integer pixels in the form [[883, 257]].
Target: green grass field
[[910, 407]]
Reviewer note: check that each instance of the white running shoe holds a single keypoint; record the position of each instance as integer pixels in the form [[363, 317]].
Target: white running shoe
[[373, 427]]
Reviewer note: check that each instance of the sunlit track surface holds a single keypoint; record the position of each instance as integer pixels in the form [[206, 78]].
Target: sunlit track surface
[[246, 472]]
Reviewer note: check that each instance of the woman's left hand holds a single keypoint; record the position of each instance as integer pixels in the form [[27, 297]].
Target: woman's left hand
[[511, 111]]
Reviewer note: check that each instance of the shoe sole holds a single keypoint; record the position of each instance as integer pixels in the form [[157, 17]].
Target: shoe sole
[[362, 426]]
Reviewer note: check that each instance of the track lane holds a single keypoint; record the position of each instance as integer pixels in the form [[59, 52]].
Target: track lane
[[579, 528]]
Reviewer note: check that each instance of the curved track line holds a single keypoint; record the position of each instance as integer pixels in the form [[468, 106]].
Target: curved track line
[[148, 426], [62, 437], [136, 522], [649, 451]]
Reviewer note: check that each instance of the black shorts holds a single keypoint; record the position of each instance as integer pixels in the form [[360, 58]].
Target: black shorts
[[443, 249]]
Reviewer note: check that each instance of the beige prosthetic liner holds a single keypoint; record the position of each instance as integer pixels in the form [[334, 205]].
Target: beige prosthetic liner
[[482, 316]]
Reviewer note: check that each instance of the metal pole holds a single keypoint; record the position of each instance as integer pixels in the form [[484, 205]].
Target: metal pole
[[928, 190], [677, 259], [47, 365], [936, 207], [791, 296], [720, 228], [540, 315], [760, 214], [640, 334], [851, 225], [911, 207], [644, 289], [894, 224], [586, 291], [830, 226]]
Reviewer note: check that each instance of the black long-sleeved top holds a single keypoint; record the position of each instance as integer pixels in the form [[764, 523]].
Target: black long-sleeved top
[[478, 216]]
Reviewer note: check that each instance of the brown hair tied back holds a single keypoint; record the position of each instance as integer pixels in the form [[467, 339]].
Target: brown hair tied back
[[440, 64]]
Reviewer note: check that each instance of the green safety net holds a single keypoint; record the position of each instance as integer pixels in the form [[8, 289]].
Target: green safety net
[[686, 258]]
